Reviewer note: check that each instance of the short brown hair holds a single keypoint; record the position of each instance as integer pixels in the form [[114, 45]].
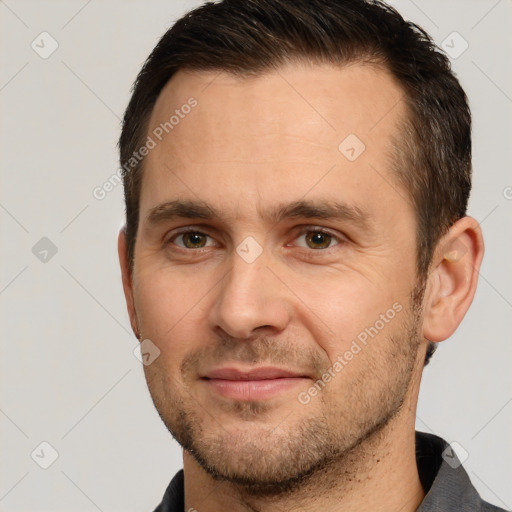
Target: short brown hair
[[432, 154]]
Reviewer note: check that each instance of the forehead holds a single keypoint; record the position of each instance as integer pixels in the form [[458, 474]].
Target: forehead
[[302, 129]]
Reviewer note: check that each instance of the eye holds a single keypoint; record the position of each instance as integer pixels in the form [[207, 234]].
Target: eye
[[192, 240], [316, 239]]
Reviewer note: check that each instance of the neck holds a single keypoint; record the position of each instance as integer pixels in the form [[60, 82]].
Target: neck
[[380, 474]]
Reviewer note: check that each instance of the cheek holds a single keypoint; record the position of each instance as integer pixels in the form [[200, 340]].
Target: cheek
[[344, 308], [171, 309]]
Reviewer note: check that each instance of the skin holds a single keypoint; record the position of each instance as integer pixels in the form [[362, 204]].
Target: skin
[[248, 147]]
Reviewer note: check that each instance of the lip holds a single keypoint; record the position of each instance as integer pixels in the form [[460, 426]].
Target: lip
[[262, 373], [256, 384]]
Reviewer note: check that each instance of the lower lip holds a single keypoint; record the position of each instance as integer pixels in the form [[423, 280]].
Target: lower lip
[[253, 389]]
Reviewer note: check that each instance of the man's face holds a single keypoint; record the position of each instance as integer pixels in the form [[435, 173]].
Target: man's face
[[265, 244]]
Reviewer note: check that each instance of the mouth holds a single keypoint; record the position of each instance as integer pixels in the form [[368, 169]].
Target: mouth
[[255, 384]]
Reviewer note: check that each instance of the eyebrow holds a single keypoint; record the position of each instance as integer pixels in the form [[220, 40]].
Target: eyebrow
[[302, 209], [171, 210]]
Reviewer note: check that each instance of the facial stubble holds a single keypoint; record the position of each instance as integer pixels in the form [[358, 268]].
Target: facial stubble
[[270, 454]]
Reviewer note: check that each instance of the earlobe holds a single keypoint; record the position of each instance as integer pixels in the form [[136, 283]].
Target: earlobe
[[126, 275], [453, 278]]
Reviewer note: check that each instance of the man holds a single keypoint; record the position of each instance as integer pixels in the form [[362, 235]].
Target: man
[[296, 179]]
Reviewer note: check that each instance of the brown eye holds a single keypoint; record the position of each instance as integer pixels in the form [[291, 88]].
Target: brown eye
[[192, 240], [318, 240]]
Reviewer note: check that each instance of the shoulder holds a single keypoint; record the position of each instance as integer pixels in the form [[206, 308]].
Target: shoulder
[[445, 481], [174, 497]]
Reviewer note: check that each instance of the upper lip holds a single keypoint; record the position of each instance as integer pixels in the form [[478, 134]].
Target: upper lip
[[262, 373]]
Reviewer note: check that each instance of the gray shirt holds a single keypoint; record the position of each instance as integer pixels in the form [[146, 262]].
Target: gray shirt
[[446, 483]]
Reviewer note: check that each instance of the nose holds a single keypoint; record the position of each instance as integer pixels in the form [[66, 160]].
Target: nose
[[250, 298]]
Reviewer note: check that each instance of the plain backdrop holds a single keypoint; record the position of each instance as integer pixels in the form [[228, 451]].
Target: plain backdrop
[[69, 377]]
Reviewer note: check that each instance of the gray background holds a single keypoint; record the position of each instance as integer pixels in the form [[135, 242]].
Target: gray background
[[68, 373]]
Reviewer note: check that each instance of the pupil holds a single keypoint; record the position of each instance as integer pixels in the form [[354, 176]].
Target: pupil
[[194, 239], [319, 240]]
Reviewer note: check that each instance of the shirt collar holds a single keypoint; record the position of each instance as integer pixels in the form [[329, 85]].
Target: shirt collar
[[447, 485]]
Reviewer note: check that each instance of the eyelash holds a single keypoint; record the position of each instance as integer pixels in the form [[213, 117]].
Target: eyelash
[[309, 229], [185, 231], [304, 231]]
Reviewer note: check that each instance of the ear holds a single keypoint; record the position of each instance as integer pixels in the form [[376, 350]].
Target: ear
[[126, 274], [452, 280]]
